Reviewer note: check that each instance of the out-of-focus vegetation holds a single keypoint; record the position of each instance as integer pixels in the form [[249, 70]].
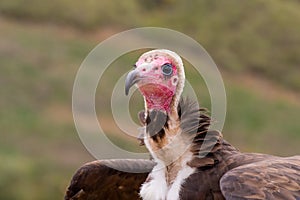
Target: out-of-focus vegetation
[[255, 43], [260, 36]]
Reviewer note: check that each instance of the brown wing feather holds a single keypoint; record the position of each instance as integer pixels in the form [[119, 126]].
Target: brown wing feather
[[269, 179], [109, 179]]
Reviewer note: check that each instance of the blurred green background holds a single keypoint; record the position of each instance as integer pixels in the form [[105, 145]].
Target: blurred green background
[[255, 43]]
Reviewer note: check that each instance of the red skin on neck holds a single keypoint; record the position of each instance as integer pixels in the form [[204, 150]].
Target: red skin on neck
[[157, 97]]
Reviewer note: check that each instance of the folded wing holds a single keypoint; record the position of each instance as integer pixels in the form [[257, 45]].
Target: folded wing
[[269, 179], [109, 179]]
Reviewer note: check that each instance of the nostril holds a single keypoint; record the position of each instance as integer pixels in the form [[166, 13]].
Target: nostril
[[156, 68], [144, 69]]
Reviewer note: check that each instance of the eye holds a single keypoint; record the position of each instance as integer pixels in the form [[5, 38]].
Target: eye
[[167, 69]]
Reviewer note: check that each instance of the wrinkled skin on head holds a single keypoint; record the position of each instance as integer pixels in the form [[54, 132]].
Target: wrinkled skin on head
[[156, 77]]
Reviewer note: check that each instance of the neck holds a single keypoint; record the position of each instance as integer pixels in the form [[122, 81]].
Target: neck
[[176, 143], [158, 103], [176, 131], [162, 104], [165, 140]]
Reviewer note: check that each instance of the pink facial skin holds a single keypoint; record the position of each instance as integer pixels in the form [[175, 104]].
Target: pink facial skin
[[157, 88]]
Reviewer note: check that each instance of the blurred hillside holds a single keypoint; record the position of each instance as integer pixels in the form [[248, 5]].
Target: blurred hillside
[[256, 45], [259, 36]]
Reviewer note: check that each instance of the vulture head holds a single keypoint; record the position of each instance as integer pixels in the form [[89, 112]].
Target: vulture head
[[159, 76]]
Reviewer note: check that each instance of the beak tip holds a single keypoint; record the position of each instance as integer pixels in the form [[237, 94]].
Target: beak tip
[[131, 79]]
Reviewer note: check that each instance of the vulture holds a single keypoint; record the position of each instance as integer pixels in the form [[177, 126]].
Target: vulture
[[188, 160]]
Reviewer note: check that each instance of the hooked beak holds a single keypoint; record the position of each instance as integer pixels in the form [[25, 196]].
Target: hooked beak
[[131, 79]]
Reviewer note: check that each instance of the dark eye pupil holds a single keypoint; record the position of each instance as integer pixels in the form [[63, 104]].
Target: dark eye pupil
[[167, 69]]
